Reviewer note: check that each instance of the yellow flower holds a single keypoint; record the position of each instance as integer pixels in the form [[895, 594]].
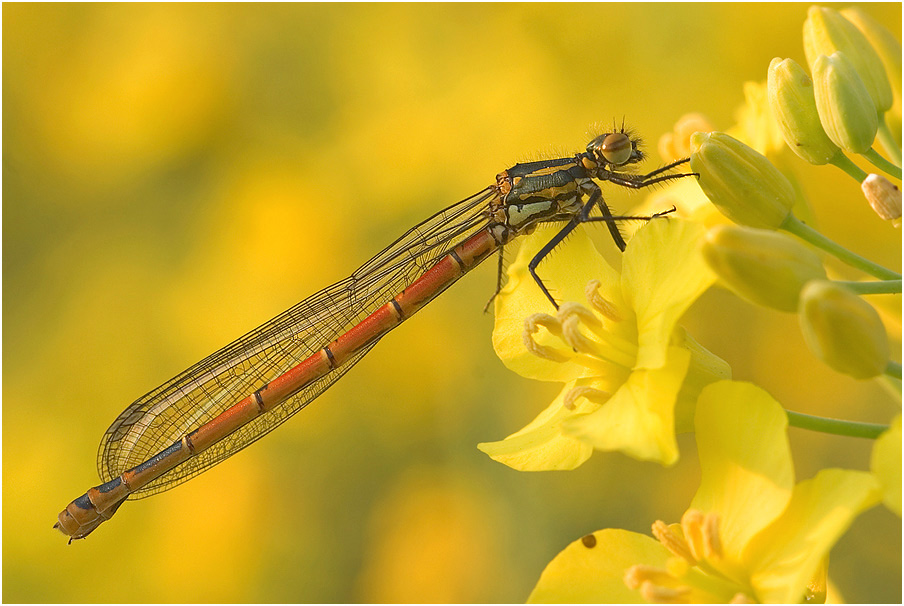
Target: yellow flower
[[631, 376], [750, 535]]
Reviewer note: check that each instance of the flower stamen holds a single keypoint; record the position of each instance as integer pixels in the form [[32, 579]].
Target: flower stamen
[[532, 324], [658, 594], [692, 527], [639, 574], [571, 315], [712, 541], [598, 302], [672, 541]]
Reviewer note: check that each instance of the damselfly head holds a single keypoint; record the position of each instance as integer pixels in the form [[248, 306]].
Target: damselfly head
[[615, 149]]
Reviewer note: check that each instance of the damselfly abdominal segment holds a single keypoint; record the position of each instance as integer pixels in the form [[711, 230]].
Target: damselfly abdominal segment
[[238, 394]]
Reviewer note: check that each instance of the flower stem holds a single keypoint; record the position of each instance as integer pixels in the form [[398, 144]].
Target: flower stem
[[845, 164], [881, 287], [873, 156], [888, 141], [852, 429], [893, 369], [793, 225]]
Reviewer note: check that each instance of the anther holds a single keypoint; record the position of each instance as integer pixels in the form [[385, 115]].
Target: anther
[[639, 574], [712, 542], [692, 527], [658, 594], [672, 541], [531, 325], [606, 308], [571, 315]]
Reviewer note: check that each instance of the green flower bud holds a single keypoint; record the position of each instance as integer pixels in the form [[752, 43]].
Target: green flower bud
[[889, 51], [765, 267], [794, 107], [843, 330], [845, 108], [741, 182], [827, 31]]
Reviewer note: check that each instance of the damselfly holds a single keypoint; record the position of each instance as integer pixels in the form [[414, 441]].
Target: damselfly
[[238, 394]]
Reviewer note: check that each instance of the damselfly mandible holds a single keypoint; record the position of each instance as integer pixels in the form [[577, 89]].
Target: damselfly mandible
[[241, 392]]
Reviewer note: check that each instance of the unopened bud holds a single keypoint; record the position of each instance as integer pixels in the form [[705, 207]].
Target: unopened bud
[[827, 31], [889, 50], [843, 330], [741, 182], [794, 107], [845, 109], [765, 267]]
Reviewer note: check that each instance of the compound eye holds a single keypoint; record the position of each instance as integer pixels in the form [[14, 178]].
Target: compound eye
[[616, 148]]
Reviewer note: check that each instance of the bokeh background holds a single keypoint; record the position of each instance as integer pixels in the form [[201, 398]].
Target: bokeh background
[[174, 175]]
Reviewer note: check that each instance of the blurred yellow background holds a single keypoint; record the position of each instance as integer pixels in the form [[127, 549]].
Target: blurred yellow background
[[174, 175]]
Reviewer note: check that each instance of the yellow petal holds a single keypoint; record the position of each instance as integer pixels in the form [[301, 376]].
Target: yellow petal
[[639, 419], [540, 445], [591, 570], [784, 557], [886, 465], [745, 461], [663, 273], [565, 272]]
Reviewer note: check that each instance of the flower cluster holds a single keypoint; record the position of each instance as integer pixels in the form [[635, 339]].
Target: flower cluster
[[633, 378]]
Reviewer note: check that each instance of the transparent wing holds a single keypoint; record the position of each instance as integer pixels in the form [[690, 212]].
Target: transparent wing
[[205, 390]]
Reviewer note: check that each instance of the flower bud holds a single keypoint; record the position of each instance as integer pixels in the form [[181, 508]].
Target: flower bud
[[794, 107], [845, 109], [741, 182], [843, 330], [827, 31], [889, 50], [883, 196], [764, 267]]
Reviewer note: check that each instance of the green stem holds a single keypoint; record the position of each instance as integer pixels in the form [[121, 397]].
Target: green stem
[[805, 232], [845, 164], [882, 287], [878, 161], [852, 429], [889, 141], [893, 369]]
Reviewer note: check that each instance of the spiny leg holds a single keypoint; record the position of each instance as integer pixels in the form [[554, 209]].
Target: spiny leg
[[582, 217], [665, 168], [636, 182], [500, 282], [596, 198], [556, 239], [657, 215]]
